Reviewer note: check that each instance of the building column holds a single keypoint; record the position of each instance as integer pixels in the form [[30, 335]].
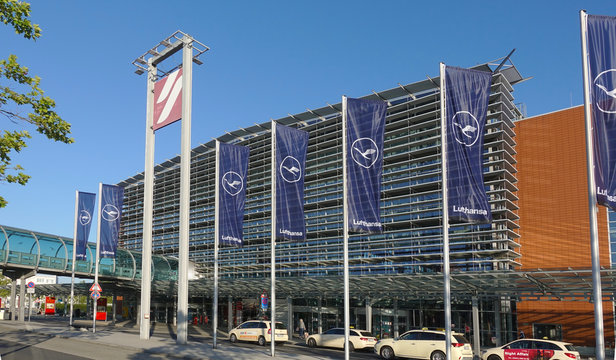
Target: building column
[[13, 299], [230, 313], [290, 327], [476, 331], [396, 324], [22, 298], [321, 314], [368, 315], [497, 321], [113, 309], [138, 316]]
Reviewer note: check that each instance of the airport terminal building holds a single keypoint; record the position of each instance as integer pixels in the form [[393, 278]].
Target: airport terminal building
[[395, 277]]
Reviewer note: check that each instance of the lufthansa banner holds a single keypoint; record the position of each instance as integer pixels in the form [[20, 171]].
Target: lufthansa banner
[[601, 39], [111, 198], [291, 148], [365, 129], [85, 210], [233, 168], [466, 102]]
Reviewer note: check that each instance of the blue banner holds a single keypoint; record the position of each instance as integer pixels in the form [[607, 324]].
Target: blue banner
[[233, 168], [291, 148], [365, 130], [85, 210], [111, 199], [466, 103], [601, 36]]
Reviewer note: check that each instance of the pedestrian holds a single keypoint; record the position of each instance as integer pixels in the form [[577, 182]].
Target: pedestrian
[[521, 335], [302, 328]]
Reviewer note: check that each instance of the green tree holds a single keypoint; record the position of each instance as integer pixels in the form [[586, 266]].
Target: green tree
[[41, 114], [4, 281]]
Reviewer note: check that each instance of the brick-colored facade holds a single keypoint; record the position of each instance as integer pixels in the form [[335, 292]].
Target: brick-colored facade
[[554, 221]]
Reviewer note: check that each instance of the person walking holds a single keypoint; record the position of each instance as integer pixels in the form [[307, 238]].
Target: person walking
[[302, 328]]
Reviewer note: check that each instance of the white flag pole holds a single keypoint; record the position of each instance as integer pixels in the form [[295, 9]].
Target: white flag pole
[[446, 285], [70, 321], [592, 197], [347, 323], [216, 239], [98, 245], [273, 245]]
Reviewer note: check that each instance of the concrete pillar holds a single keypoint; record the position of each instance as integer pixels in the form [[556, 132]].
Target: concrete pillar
[[497, 321], [230, 313], [476, 331], [113, 310], [138, 316], [290, 324], [13, 299], [396, 324], [321, 315], [368, 315], [22, 299]]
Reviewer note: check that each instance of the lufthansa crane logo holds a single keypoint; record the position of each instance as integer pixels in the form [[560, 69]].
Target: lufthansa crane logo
[[232, 182], [290, 169], [605, 91], [110, 213], [364, 152], [84, 217], [465, 128]]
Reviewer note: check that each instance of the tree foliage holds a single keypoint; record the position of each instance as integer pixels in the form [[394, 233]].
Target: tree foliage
[[40, 108]]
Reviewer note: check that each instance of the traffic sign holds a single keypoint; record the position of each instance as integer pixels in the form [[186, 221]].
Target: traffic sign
[[30, 290], [95, 288], [95, 295], [30, 284]]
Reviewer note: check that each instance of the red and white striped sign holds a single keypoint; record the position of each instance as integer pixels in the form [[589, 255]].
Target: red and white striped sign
[[168, 100]]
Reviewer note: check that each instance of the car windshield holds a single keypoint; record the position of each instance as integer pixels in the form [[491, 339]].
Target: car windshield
[[280, 326], [570, 347], [461, 339], [366, 333]]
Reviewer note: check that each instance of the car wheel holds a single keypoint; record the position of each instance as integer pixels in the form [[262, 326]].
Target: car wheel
[[351, 346], [387, 353], [233, 338], [437, 355], [312, 343], [261, 341], [494, 357]]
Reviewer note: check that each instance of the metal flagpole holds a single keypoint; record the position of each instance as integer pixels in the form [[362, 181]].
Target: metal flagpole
[[70, 319], [273, 245], [182, 325], [447, 291], [216, 237], [98, 245], [347, 323], [148, 205], [592, 198]]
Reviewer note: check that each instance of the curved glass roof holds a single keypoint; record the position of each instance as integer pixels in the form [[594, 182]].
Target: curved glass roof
[[53, 254]]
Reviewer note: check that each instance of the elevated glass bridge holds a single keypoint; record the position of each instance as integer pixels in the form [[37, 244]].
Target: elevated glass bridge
[[51, 254]]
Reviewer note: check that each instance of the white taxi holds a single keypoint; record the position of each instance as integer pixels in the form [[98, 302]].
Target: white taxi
[[259, 331], [532, 349], [358, 339], [425, 345]]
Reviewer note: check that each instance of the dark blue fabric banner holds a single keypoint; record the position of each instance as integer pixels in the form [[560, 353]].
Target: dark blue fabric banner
[[233, 168], [111, 198], [364, 142], [85, 210], [602, 66], [466, 103], [291, 148]]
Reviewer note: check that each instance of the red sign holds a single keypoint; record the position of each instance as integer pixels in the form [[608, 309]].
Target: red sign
[[168, 100], [528, 354], [101, 309], [95, 288], [50, 305]]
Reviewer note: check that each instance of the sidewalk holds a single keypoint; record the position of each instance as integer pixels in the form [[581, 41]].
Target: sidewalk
[[162, 342]]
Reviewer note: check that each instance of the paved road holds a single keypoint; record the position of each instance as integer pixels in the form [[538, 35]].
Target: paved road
[[51, 338]]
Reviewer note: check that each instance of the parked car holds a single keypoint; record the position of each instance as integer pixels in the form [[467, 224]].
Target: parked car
[[259, 331], [532, 349], [358, 339], [424, 344]]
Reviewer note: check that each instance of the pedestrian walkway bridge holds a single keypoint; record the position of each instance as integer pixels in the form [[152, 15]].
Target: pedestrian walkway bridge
[[51, 254]]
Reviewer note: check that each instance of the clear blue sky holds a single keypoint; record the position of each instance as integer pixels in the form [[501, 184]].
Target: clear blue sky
[[267, 59]]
